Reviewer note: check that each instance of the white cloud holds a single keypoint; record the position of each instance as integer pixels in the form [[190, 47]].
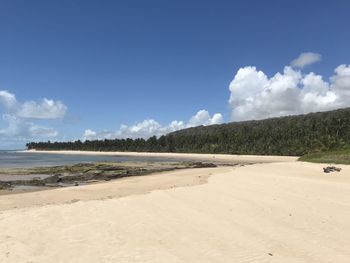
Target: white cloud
[[23, 130], [150, 127], [305, 59], [21, 117], [203, 118], [341, 81], [255, 96], [7, 99], [217, 119], [46, 109], [89, 134]]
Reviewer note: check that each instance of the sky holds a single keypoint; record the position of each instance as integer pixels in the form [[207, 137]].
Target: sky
[[74, 70]]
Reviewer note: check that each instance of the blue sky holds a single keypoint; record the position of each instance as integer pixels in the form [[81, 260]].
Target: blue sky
[[108, 63]]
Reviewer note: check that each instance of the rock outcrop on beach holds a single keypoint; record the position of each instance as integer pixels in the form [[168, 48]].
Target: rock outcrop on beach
[[74, 175]]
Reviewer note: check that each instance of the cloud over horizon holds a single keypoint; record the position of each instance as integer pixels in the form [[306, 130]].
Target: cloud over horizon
[[21, 117], [150, 127], [256, 96], [253, 95]]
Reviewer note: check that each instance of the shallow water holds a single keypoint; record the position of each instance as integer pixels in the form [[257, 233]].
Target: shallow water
[[27, 188], [11, 177], [10, 159]]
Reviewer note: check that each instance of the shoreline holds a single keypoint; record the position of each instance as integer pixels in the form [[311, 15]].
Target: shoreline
[[114, 189], [21, 179], [193, 156]]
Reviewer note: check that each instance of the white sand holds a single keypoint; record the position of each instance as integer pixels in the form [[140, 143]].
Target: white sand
[[203, 157], [291, 210]]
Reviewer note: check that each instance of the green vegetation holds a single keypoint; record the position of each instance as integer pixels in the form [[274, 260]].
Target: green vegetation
[[337, 157], [291, 135]]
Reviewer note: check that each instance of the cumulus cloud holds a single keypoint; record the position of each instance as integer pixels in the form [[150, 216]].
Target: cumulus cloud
[[46, 109], [24, 130], [7, 99], [305, 59], [20, 117], [203, 118], [256, 96], [150, 127]]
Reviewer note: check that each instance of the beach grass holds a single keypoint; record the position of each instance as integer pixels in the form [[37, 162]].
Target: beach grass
[[341, 156]]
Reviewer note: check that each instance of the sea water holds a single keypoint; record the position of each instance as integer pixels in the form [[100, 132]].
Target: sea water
[[10, 159]]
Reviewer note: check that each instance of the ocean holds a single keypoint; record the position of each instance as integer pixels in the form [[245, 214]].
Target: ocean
[[11, 159]]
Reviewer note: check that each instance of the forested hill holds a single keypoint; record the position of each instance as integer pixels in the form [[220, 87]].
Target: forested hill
[[292, 135]]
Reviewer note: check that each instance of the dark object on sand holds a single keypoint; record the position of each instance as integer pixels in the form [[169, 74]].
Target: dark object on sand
[[330, 169]]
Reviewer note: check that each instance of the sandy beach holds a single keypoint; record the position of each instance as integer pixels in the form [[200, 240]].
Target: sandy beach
[[277, 211], [192, 156]]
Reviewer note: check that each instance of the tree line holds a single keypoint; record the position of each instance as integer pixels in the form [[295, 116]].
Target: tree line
[[291, 135]]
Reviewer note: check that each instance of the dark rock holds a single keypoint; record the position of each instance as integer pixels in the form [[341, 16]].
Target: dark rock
[[202, 165], [330, 169]]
